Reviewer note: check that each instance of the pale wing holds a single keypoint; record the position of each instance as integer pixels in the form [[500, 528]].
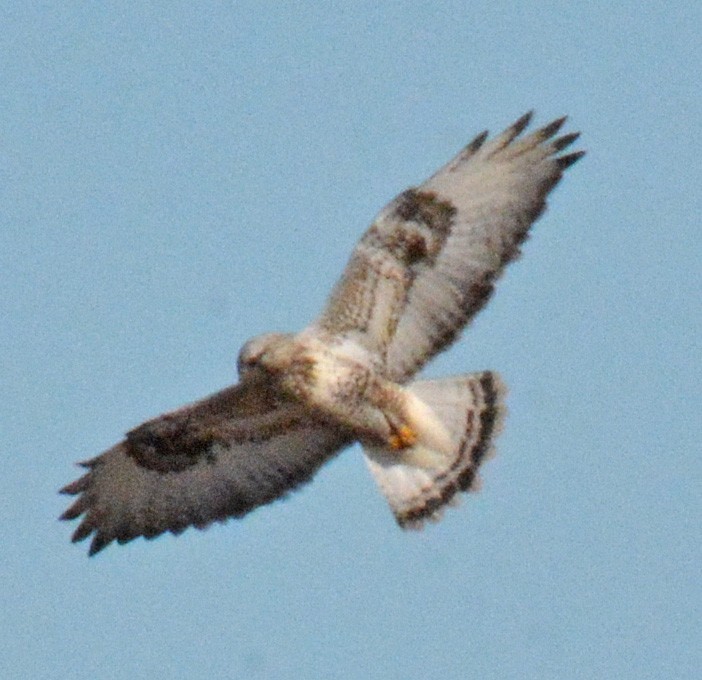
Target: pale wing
[[220, 457], [429, 261]]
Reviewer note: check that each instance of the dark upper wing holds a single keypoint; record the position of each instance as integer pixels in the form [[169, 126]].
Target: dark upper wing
[[429, 261], [217, 458]]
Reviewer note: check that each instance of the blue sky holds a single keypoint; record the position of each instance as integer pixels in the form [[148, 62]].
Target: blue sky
[[178, 177]]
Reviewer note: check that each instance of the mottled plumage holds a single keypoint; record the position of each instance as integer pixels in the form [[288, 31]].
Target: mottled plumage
[[424, 268]]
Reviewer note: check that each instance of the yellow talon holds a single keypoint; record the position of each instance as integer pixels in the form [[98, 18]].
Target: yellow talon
[[403, 438]]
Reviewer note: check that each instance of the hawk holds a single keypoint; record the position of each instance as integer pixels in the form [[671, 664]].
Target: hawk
[[423, 269]]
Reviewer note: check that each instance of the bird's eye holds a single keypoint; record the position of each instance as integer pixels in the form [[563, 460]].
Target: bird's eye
[[248, 358], [243, 363]]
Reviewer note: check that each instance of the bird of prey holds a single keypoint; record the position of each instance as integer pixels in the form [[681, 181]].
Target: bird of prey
[[424, 268]]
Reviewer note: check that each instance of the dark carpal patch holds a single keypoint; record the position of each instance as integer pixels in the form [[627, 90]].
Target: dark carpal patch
[[426, 208], [169, 445], [422, 223], [178, 440]]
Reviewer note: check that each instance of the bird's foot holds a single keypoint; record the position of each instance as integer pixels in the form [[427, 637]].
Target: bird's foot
[[402, 438]]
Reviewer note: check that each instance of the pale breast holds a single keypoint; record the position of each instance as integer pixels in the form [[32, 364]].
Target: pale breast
[[340, 372]]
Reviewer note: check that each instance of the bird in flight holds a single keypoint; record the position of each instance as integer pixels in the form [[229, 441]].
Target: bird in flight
[[424, 268]]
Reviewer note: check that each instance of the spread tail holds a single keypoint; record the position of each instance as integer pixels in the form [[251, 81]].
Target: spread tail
[[420, 480]]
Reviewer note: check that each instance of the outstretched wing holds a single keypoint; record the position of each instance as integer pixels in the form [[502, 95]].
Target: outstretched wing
[[429, 261], [217, 458]]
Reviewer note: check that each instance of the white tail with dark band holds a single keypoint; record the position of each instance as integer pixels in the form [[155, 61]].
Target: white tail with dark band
[[471, 410]]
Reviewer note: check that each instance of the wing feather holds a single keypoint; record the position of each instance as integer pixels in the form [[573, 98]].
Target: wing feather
[[218, 458], [429, 261]]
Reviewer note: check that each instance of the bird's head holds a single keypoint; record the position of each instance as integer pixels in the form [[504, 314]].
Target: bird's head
[[269, 353]]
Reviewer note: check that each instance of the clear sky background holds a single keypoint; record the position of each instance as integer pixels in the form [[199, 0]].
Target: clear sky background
[[177, 177]]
